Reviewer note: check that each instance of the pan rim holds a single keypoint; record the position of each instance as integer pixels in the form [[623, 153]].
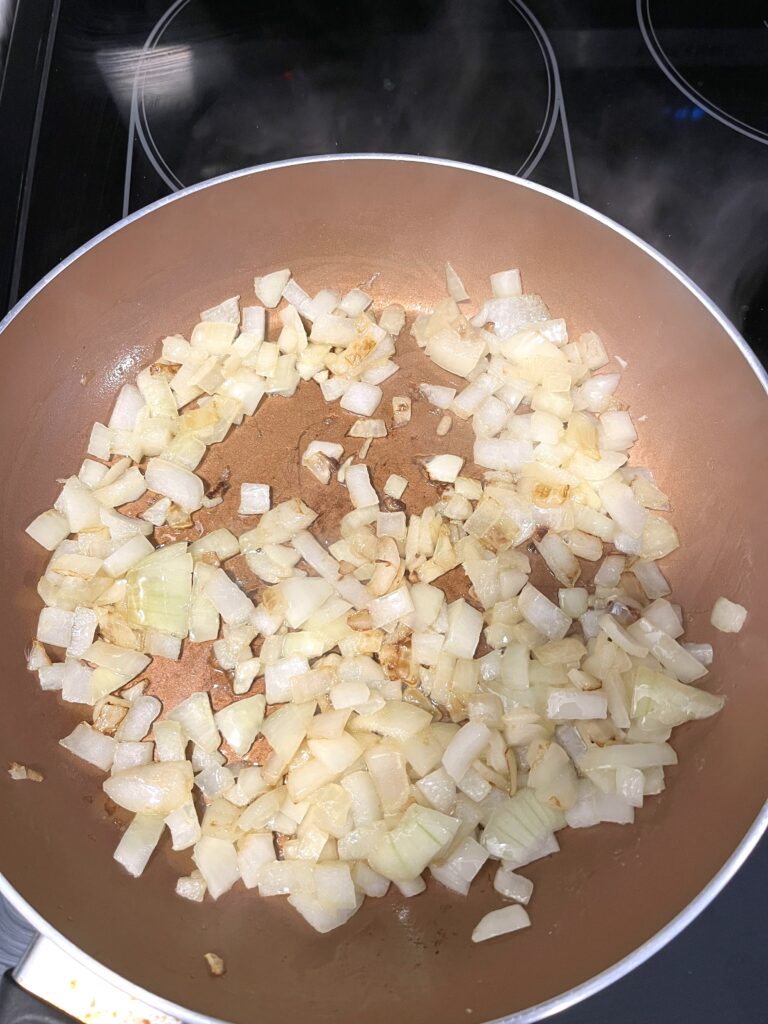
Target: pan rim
[[749, 841]]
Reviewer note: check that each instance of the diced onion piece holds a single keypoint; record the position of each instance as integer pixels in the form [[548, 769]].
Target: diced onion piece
[[159, 591], [99, 442], [278, 678], [37, 657], [303, 597], [162, 645], [216, 860], [355, 302], [460, 867], [542, 614], [254, 499], [629, 755], [230, 602], [437, 395], [226, 312], [195, 717], [727, 616], [157, 512], [174, 482], [329, 448], [502, 454], [513, 886], [443, 468], [49, 529], [137, 723], [397, 720], [621, 506], [506, 283], [269, 289], [361, 398], [54, 627], [420, 836], [651, 579], [378, 374], [452, 352], [701, 652], [671, 702], [131, 754], [390, 608], [392, 319], [349, 694], [139, 840], [240, 722], [361, 492], [128, 405], [91, 745], [565, 705], [464, 626], [395, 486], [191, 887], [117, 659], [560, 560], [254, 851], [464, 748], [169, 739], [454, 284], [157, 788], [315, 555], [127, 555], [573, 601]]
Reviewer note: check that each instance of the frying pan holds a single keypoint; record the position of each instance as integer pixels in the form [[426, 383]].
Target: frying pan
[[613, 895]]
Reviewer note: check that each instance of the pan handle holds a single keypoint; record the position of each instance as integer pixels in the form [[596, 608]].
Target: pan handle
[[18, 1006]]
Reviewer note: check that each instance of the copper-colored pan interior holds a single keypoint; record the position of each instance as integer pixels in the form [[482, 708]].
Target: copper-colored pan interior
[[337, 223]]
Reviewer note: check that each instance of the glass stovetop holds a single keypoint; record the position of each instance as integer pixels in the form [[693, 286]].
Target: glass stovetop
[[652, 112]]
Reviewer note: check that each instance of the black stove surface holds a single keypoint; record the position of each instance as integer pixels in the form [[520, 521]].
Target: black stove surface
[[652, 112]]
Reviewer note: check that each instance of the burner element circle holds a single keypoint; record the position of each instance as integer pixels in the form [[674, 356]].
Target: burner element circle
[[221, 87], [716, 56]]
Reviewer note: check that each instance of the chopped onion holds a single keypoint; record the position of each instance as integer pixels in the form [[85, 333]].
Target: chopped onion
[[240, 722], [512, 886], [391, 607], [192, 888], [137, 723], [454, 284], [727, 616], [151, 789], [500, 922], [54, 627], [359, 651], [216, 860], [254, 851], [502, 454], [91, 745], [542, 614], [506, 283], [361, 492], [138, 842], [174, 482], [269, 289], [443, 468], [195, 717], [254, 499], [228, 599], [568, 705], [361, 398], [437, 395], [49, 529]]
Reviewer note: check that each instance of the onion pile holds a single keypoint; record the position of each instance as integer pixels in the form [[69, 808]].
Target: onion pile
[[392, 747]]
